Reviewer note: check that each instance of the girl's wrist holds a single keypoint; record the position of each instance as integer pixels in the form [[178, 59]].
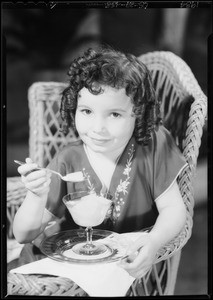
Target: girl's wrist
[[38, 197]]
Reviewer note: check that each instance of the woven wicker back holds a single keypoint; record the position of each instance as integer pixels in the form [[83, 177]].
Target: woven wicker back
[[46, 139], [183, 106]]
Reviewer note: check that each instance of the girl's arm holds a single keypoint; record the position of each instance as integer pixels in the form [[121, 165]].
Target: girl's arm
[[171, 219], [172, 216], [31, 218]]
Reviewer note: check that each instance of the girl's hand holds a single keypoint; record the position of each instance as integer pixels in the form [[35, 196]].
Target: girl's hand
[[36, 181], [139, 262]]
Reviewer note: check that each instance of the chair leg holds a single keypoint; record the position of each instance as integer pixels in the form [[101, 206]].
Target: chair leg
[[174, 264]]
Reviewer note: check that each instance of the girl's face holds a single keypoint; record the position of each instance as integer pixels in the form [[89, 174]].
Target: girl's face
[[105, 122]]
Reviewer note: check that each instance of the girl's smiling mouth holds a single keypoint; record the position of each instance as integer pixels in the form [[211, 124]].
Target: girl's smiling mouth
[[99, 140]]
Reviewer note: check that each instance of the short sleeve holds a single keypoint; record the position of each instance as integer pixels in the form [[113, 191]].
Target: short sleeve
[[168, 161]]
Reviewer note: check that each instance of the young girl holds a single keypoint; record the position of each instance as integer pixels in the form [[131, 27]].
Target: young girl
[[123, 148]]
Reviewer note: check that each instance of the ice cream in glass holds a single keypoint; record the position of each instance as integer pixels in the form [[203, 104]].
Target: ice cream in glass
[[88, 209]]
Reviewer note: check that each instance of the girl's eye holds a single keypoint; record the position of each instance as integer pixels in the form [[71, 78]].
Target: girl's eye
[[86, 111], [115, 115]]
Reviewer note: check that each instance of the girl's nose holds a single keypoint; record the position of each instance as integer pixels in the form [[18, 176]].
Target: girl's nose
[[99, 125]]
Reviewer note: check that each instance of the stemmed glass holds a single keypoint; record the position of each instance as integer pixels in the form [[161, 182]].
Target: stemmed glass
[[88, 209]]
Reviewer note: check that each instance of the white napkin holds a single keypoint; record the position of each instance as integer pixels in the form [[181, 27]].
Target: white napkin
[[98, 280]]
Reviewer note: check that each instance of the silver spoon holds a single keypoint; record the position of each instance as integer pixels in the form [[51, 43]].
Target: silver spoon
[[74, 177]]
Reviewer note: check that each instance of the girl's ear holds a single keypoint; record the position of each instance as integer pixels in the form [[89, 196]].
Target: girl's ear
[[133, 114]]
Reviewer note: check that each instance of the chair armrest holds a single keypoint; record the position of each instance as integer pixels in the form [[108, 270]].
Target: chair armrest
[[16, 193], [177, 243], [22, 284]]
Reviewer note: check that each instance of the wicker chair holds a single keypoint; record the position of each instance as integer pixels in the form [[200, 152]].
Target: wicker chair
[[184, 110]]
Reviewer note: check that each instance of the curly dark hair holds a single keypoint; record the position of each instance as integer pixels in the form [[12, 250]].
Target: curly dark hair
[[109, 67]]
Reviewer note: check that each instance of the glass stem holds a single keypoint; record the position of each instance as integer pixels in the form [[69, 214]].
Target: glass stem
[[89, 231]]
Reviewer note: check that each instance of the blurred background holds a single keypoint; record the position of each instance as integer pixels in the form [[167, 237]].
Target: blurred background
[[39, 46]]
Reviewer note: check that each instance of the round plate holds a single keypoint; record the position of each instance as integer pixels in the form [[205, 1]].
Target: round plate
[[59, 246]]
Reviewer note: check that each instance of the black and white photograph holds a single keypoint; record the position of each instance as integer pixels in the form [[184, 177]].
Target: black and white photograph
[[106, 151]]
